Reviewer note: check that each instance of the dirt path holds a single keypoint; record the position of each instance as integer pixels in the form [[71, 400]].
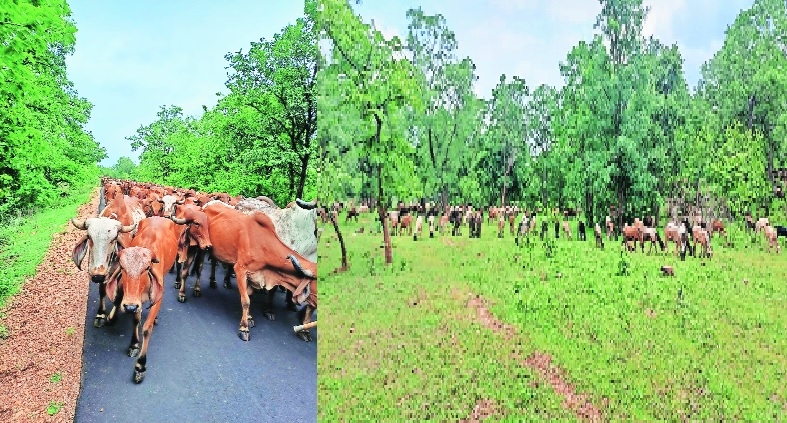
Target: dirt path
[[538, 361], [46, 326]]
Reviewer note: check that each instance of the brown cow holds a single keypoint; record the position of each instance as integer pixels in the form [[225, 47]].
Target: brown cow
[[140, 278], [406, 224], [771, 238], [633, 233], [127, 210], [193, 234], [261, 259]]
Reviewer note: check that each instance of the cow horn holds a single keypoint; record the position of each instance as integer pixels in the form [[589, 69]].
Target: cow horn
[[126, 229], [305, 205], [298, 267], [80, 224], [180, 202], [267, 200], [178, 220]]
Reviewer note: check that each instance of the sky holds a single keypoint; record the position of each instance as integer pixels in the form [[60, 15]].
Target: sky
[[131, 57], [529, 38]]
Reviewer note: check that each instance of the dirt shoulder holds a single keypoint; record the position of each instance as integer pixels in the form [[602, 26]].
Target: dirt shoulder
[[46, 323]]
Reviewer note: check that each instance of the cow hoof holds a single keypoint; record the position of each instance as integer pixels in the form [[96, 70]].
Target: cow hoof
[[98, 322], [197, 293], [133, 351], [305, 335], [176, 285], [138, 376], [244, 335], [269, 315], [181, 298], [213, 284], [228, 285], [251, 321]]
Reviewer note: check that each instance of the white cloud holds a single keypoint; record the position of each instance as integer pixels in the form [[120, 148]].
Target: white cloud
[[659, 21]]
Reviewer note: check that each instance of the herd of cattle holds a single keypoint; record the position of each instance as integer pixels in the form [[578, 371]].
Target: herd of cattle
[[686, 235], [146, 230]]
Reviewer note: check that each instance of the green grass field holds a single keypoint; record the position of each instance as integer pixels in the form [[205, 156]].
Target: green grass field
[[25, 238], [398, 342]]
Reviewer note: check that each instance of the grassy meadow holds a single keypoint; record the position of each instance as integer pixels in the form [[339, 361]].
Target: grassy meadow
[[399, 342]]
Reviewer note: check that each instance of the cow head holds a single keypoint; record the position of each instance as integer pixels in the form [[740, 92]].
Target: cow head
[[141, 280], [102, 238], [198, 229]]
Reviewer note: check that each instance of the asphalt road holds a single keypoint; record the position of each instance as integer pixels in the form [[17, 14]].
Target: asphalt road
[[198, 369]]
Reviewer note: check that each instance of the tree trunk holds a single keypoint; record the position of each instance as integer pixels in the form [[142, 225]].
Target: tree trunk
[[382, 203], [302, 177], [341, 243], [291, 178]]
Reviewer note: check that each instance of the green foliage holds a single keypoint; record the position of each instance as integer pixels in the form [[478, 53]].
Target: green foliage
[[258, 139], [53, 408], [45, 151]]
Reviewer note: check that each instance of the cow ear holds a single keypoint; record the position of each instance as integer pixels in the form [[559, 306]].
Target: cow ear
[[112, 282], [120, 245], [156, 288], [79, 252]]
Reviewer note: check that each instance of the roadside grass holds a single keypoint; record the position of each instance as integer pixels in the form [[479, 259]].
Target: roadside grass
[[25, 238], [400, 342]]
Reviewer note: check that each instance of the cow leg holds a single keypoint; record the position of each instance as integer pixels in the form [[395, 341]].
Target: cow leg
[[178, 276], [227, 274], [101, 314], [198, 268], [113, 314], [147, 331], [133, 346], [213, 273], [304, 334], [245, 319], [183, 274], [267, 303]]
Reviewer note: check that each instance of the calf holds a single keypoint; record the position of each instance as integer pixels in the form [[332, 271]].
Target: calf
[[140, 278], [718, 226]]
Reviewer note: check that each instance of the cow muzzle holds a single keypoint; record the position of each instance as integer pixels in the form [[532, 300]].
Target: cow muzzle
[[131, 308], [98, 278]]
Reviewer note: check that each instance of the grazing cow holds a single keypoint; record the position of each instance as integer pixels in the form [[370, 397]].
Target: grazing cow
[[610, 227], [718, 226], [261, 260], [394, 218], [406, 224], [761, 223], [702, 236], [444, 220], [599, 237], [419, 226], [140, 278], [352, 213], [772, 238], [650, 234], [524, 229], [296, 226], [104, 236], [672, 234], [567, 229], [633, 234]]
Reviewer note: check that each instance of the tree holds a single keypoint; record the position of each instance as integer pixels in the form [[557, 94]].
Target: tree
[[381, 88]]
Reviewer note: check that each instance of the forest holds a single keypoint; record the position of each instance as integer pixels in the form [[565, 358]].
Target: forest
[[399, 120], [257, 139]]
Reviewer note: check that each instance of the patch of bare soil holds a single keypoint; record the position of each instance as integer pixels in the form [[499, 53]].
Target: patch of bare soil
[[46, 323], [579, 403], [541, 363], [489, 320], [483, 409]]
